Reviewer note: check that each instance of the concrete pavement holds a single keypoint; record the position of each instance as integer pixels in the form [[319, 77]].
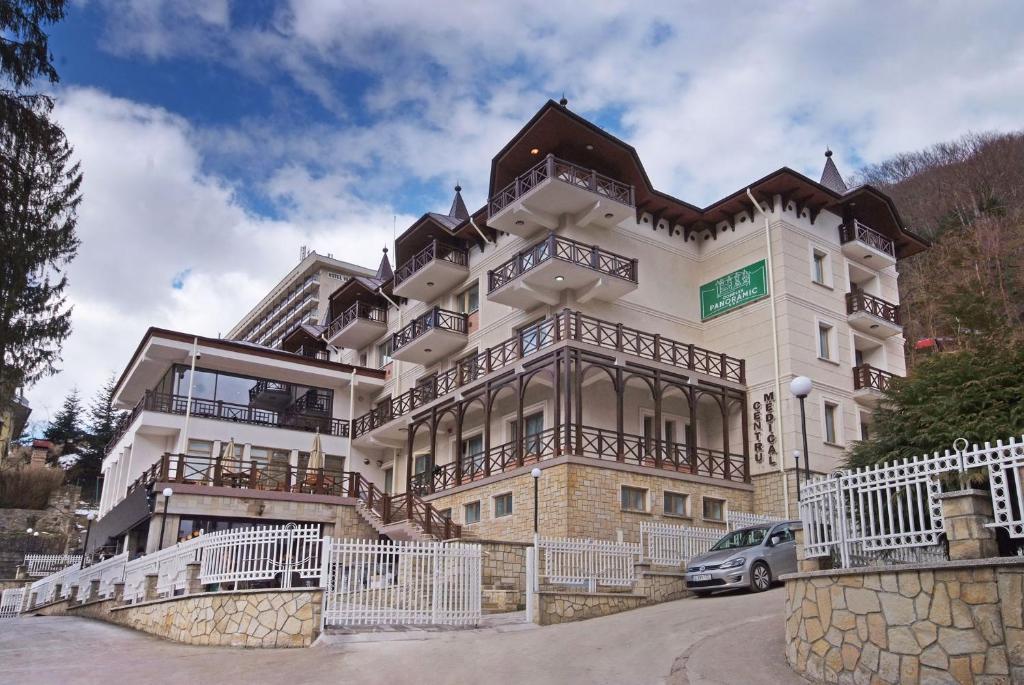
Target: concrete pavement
[[736, 638]]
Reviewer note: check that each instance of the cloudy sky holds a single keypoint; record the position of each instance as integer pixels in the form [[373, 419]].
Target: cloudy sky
[[218, 137]]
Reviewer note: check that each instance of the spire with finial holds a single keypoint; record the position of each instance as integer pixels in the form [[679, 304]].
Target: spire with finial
[[564, 101], [384, 272], [458, 210], [830, 176]]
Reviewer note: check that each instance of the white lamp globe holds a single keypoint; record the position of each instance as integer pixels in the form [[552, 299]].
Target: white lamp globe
[[91, 516], [800, 386], [168, 492], [535, 473]]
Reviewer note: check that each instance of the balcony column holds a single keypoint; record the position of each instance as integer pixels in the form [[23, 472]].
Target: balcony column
[[460, 414], [578, 375], [550, 164], [657, 419], [746, 440], [727, 466], [488, 401], [409, 437], [556, 365], [691, 444], [433, 446], [620, 394], [567, 385], [520, 437]]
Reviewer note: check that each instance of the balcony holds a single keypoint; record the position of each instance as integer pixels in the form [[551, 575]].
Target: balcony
[[542, 272], [358, 326], [430, 337], [866, 246], [553, 187], [273, 395], [872, 315], [869, 383], [432, 272]]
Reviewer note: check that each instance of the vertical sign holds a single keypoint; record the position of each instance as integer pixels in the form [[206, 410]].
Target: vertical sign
[[764, 430], [734, 290]]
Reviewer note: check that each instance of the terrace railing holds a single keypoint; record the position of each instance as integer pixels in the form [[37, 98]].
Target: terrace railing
[[669, 545], [564, 326], [552, 167], [261, 553], [435, 250], [860, 301], [39, 565], [867, 377], [566, 250], [857, 231], [587, 562], [588, 441], [359, 310], [436, 318]]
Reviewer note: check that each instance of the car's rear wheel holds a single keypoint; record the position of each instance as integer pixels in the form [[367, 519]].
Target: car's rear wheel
[[760, 577]]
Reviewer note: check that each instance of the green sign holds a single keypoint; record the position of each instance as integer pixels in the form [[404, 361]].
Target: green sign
[[734, 290]]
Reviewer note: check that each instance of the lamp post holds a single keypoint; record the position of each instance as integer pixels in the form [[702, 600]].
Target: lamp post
[[796, 458], [163, 520], [91, 516], [536, 499], [801, 388]]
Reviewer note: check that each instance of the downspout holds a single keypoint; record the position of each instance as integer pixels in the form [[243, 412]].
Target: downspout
[[183, 444], [775, 350], [477, 228]]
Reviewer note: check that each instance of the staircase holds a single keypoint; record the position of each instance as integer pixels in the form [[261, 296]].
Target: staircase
[[400, 517], [401, 530]]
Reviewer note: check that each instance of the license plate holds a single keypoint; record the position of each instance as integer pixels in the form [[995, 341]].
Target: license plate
[[701, 577]]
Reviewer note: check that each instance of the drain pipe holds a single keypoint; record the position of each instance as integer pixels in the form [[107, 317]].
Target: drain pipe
[[775, 350], [477, 228]]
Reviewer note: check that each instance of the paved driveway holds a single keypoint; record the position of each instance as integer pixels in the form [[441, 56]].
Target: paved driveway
[[735, 638]]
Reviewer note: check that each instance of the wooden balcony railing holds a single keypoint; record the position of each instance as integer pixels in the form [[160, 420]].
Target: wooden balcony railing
[[867, 377], [436, 318], [307, 414], [359, 310], [313, 352], [566, 325], [870, 237], [248, 475], [596, 443], [566, 250], [860, 301], [264, 386], [436, 250], [567, 172]]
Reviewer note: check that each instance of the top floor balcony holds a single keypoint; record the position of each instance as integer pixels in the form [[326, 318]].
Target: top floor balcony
[[543, 271], [872, 315], [431, 272], [430, 336], [553, 187], [358, 326], [866, 246]]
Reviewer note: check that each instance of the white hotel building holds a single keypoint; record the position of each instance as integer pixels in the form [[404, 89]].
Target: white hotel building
[[635, 347]]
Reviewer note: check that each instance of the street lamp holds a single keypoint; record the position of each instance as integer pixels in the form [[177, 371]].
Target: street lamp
[[91, 516], [536, 498], [796, 458], [163, 520], [801, 388]]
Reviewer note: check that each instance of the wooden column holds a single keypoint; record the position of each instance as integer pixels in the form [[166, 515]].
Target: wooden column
[[727, 466], [488, 399], [410, 437], [433, 447], [691, 445], [620, 395], [556, 365], [746, 440], [578, 374], [520, 436], [657, 419], [460, 413]]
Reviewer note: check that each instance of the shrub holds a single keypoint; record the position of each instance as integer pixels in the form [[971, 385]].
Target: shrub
[[28, 487]]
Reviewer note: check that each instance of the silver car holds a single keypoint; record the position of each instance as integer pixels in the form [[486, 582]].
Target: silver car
[[746, 558]]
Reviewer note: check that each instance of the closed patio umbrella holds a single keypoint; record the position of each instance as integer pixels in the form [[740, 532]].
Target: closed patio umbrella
[[316, 455], [229, 449]]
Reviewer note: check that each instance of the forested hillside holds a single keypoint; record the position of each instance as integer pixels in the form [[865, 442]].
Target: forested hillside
[[967, 197]]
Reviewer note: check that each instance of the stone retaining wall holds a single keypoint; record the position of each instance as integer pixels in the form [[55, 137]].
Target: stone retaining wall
[[565, 607], [956, 622]]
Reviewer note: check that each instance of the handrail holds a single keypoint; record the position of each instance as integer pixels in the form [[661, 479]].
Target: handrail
[[588, 441], [434, 250], [552, 167], [867, 377], [441, 319], [359, 310], [567, 250], [566, 325], [869, 236], [860, 301]]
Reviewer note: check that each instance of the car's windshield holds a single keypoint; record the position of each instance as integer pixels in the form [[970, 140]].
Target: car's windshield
[[748, 537]]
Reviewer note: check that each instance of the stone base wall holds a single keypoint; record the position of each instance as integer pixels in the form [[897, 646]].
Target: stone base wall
[[565, 607], [662, 586], [504, 567], [958, 622], [246, 618], [769, 498], [582, 498]]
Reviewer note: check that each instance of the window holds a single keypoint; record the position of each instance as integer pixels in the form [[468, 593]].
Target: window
[[362, 359], [865, 433], [634, 499], [389, 482], [421, 463], [473, 455], [824, 341], [819, 267], [503, 505], [830, 423], [858, 357], [714, 509], [675, 504], [533, 429], [384, 351], [468, 301], [530, 337], [472, 512]]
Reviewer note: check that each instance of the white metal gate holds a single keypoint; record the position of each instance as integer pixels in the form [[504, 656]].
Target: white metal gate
[[262, 553], [11, 602], [372, 583]]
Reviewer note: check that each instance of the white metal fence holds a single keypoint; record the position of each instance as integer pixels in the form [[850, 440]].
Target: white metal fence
[[234, 556], [40, 565], [46, 588], [370, 582], [668, 545], [587, 562], [861, 513], [11, 602], [743, 519], [108, 572]]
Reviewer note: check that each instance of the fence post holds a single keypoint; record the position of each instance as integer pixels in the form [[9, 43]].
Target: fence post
[[94, 590], [150, 588], [531, 583], [193, 585]]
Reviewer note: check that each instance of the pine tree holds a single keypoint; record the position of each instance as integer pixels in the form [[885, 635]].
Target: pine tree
[[103, 421], [39, 198], [65, 429]]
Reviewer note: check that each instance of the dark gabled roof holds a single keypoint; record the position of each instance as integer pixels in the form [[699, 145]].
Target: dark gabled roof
[[830, 176]]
